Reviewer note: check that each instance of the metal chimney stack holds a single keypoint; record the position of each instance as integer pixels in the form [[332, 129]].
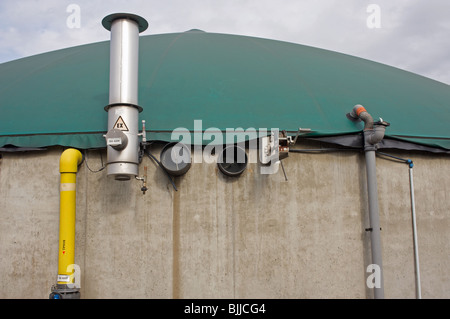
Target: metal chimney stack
[[123, 110]]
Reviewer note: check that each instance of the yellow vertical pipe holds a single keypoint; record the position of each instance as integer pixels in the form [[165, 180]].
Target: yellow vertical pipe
[[68, 167]]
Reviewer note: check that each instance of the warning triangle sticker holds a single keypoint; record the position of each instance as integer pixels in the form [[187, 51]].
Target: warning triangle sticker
[[120, 124]]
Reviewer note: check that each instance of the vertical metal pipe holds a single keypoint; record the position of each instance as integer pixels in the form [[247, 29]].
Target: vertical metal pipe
[[373, 134], [123, 109], [68, 168], [66, 255], [124, 54], [375, 234], [416, 246]]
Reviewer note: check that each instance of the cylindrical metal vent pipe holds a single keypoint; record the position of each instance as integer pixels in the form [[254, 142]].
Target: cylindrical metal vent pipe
[[123, 110]]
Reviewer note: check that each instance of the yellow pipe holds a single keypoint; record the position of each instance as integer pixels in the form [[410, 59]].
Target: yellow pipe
[[68, 167]]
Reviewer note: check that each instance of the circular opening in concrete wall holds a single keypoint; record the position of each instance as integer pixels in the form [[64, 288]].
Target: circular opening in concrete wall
[[232, 160], [176, 158]]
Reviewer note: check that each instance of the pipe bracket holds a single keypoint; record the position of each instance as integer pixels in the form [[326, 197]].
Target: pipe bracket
[[371, 229]]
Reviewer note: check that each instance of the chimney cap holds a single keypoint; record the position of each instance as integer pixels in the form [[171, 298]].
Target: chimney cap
[[108, 20]]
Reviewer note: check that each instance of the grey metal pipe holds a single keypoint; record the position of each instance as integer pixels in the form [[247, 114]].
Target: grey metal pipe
[[124, 55], [414, 225], [123, 110], [416, 246], [373, 134], [375, 229]]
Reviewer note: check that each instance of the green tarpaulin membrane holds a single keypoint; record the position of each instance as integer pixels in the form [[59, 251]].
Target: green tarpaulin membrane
[[226, 81]]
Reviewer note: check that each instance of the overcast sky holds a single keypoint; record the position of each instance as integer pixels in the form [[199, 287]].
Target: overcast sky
[[413, 35]]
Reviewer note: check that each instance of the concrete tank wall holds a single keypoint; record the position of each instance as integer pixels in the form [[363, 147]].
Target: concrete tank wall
[[256, 236]]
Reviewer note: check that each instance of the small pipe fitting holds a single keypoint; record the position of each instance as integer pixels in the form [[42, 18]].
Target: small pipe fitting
[[373, 131], [69, 161], [359, 113], [375, 135]]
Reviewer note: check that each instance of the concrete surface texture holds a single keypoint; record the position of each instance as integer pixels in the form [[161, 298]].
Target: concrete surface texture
[[255, 236]]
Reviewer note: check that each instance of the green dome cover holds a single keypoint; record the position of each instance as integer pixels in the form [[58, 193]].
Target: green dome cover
[[227, 81]]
